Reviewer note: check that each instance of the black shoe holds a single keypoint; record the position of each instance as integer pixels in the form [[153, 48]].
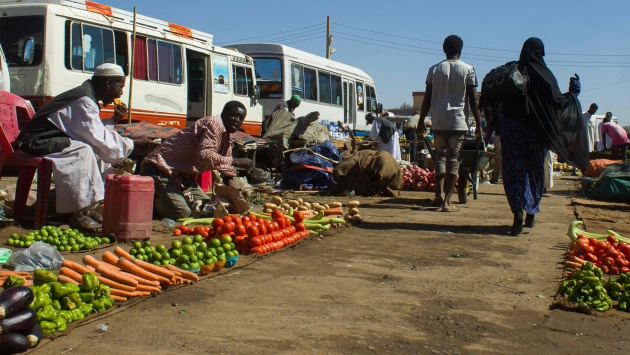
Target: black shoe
[[529, 221], [517, 226]]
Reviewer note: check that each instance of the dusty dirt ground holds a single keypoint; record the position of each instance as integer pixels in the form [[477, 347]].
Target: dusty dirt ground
[[408, 279]]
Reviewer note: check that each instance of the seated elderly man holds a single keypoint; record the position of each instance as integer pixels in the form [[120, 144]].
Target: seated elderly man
[[202, 147], [69, 132]]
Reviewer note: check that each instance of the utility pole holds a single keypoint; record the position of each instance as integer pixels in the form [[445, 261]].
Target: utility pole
[[328, 37]]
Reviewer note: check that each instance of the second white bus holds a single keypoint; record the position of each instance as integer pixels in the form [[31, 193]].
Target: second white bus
[[338, 91]]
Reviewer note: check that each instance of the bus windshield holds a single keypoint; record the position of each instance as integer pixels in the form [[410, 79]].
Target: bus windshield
[[15, 32], [269, 77]]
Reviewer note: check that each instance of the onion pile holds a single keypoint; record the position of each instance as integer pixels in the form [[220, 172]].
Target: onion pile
[[418, 179]]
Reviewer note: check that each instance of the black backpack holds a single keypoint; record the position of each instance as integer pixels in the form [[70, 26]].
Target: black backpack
[[505, 83]]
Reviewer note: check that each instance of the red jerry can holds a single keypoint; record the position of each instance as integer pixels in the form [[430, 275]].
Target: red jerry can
[[128, 210]]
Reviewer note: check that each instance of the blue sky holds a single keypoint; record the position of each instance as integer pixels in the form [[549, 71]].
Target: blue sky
[[396, 41]]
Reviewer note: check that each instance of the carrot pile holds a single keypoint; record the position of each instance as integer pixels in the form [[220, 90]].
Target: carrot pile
[[126, 276]]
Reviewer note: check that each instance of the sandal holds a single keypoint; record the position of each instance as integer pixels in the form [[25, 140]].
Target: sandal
[[450, 209], [94, 214], [85, 224]]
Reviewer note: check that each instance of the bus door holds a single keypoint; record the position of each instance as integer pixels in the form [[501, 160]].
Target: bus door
[[349, 104], [197, 85]]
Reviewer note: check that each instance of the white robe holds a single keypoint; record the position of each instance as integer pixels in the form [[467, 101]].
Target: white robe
[[392, 147], [77, 170]]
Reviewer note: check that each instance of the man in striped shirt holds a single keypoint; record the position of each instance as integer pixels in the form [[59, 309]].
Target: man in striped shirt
[[204, 146]]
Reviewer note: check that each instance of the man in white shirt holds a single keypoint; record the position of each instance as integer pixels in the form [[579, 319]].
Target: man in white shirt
[[384, 132], [449, 85], [69, 132], [590, 122]]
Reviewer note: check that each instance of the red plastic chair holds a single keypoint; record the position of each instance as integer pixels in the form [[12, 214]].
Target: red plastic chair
[[14, 113]]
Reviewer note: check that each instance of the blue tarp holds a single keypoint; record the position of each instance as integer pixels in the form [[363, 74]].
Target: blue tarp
[[296, 176]]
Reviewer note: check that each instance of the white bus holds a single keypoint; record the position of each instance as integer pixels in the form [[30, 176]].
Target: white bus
[[338, 91], [178, 74]]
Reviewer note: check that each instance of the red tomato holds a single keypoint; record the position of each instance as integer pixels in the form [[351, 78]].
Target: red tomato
[[255, 241], [625, 269], [177, 232], [614, 270], [300, 227], [619, 262], [287, 221], [292, 230], [245, 219], [247, 224], [252, 231], [605, 269], [240, 230], [608, 261], [204, 234], [624, 248], [217, 223], [227, 218], [262, 229], [592, 241], [298, 216], [611, 239], [257, 250], [612, 252], [277, 214], [280, 223], [252, 217]]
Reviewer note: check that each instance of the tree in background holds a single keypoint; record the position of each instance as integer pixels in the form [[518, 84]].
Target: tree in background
[[403, 110]]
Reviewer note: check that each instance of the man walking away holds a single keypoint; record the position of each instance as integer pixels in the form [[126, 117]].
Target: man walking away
[[449, 84]]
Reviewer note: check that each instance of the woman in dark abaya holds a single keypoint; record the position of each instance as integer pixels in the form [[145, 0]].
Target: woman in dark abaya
[[529, 127]]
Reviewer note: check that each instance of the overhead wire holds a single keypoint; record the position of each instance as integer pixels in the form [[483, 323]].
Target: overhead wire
[[271, 35]]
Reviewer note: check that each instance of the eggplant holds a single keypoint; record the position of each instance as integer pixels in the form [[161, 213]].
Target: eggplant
[[34, 335], [20, 321], [13, 343], [15, 299]]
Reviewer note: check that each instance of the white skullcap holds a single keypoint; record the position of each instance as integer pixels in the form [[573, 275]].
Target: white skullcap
[[109, 69]]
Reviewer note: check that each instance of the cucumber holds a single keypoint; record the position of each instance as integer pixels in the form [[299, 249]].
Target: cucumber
[[22, 320], [15, 299]]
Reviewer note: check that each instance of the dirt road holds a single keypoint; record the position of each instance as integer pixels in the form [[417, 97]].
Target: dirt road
[[408, 279]]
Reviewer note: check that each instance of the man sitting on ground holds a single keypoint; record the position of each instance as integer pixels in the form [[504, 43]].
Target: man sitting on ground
[[69, 132], [202, 147]]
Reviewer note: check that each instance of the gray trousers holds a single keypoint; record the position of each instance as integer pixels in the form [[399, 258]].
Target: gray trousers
[[172, 199]]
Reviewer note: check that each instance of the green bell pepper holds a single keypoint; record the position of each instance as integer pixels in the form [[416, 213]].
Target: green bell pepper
[[56, 304], [40, 300], [103, 303], [13, 281], [74, 297], [86, 309], [60, 291], [41, 277], [101, 291], [86, 297], [67, 304], [47, 313], [60, 324], [90, 282]]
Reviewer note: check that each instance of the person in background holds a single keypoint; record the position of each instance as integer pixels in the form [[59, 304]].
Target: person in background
[[411, 134], [69, 132], [588, 118], [384, 133], [449, 85], [493, 125], [618, 136], [603, 141], [526, 124], [289, 106], [202, 147]]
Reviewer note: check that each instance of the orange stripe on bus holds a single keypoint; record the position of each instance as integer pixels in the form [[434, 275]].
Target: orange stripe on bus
[[180, 30], [98, 8]]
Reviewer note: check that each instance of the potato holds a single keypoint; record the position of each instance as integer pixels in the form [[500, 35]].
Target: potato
[[353, 204], [356, 218], [307, 204], [300, 201], [267, 210], [276, 200], [347, 217], [270, 206], [285, 206], [319, 208], [302, 208], [335, 205], [293, 203], [326, 206], [353, 211], [314, 204]]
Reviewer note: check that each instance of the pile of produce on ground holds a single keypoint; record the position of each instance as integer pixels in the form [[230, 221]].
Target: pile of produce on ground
[[61, 239], [313, 208], [591, 257], [418, 179], [19, 328], [15, 278], [609, 251]]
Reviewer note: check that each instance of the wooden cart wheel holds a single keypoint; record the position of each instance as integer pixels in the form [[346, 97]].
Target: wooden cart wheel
[[463, 191]]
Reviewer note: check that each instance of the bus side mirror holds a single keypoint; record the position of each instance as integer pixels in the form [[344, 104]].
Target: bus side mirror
[[256, 94], [379, 108], [28, 54]]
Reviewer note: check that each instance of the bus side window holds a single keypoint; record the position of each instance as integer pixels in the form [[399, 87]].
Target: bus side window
[[310, 84], [121, 50], [360, 96]]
